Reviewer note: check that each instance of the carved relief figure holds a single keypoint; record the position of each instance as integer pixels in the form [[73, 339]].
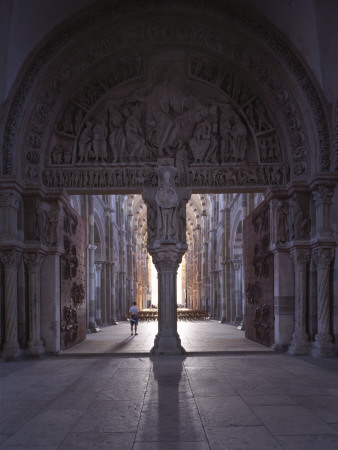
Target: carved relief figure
[[85, 143], [166, 198], [135, 136], [117, 137], [299, 226], [165, 103], [204, 142], [53, 225], [100, 134], [233, 135], [281, 222]]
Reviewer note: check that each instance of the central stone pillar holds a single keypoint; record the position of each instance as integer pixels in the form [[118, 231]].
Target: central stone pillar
[[166, 222]]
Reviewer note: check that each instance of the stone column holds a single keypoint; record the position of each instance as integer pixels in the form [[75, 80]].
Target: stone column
[[104, 294], [34, 262], [323, 345], [283, 299], [238, 291], [98, 296], [300, 338], [91, 266], [166, 220], [11, 261]]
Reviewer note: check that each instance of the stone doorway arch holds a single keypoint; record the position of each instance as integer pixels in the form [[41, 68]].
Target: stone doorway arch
[[166, 101]]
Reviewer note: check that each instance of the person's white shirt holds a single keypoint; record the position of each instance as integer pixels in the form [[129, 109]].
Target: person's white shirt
[[134, 310]]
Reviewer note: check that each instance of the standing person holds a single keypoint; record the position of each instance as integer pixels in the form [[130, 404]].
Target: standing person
[[134, 310]]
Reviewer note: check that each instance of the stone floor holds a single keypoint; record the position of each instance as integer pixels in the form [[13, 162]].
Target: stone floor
[[227, 393]]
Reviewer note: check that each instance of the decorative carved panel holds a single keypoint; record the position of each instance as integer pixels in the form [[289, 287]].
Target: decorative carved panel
[[258, 275], [73, 279]]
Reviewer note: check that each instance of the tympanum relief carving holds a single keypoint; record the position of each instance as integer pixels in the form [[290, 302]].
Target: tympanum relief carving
[[212, 140]]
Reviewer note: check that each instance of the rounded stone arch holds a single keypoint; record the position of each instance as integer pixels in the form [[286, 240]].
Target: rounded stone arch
[[228, 53]]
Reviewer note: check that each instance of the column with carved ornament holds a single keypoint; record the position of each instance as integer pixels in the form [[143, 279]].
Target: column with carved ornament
[[300, 338], [166, 221], [323, 345], [33, 262], [11, 260]]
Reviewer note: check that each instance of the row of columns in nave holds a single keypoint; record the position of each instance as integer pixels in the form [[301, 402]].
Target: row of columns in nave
[[214, 276], [111, 278]]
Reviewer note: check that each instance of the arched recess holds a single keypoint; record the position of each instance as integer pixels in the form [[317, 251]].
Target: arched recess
[[111, 63]]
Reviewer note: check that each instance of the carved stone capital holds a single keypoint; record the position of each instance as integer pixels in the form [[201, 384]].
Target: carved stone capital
[[237, 264], [323, 195], [99, 265], [92, 247], [10, 198], [167, 260], [10, 259], [300, 258], [33, 261], [323, 257]]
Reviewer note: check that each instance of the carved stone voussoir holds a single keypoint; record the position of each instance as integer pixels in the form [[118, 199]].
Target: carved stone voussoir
[[323, 257]]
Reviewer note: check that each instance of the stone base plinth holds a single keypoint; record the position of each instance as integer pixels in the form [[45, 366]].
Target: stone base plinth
[[36, 349], [11, 352], [167, 345], [322, 349], [300, 344]]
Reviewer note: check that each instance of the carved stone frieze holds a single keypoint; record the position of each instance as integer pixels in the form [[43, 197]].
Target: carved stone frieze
[[130, 177]]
